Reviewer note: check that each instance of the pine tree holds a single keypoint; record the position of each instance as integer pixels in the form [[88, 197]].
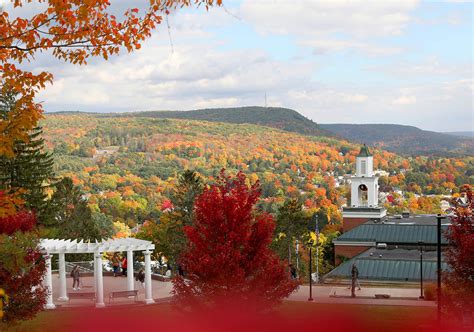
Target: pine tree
[[189, 187], [168, 235], [291, 225], [31, 168], [73, 216]]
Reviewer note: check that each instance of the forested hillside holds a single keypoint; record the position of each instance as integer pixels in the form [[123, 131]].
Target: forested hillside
[[404, 139], [275, 117], [401, 139], [127, 165]]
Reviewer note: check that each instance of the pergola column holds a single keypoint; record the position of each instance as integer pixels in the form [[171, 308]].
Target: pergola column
[[130, 285], [62, 278], [148, 292], [99, 281], [49, 283]]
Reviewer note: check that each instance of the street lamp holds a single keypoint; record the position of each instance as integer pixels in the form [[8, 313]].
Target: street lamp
[[439, 217], [310, 244], [421, 269], [297, 249], [312, 225]]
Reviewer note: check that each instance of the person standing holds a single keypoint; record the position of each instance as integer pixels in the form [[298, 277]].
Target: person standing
[[141, 278], [168, 271], [180, 271], [116, 264], [293, 272], [75, 274], [124, 266]]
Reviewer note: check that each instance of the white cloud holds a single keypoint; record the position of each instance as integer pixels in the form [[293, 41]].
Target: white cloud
[[198, 72], [404, 100], [322, 46], [429, 66], [307, 17]]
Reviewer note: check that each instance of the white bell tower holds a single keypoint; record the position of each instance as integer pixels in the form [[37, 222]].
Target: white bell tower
[[364, 185], [364, 203]]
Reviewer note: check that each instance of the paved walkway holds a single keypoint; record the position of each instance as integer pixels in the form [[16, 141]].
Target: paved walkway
[[321, 293], [341, 294]]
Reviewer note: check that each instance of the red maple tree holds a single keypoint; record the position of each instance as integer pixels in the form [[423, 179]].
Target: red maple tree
[[460, 254], [228, 259], [22, 267]]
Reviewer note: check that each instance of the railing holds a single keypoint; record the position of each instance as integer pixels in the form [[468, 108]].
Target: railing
[[84, 267]]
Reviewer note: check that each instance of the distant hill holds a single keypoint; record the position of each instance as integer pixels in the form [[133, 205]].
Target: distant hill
[[469, 134], [407, 140], [275, 117], [401, 139]]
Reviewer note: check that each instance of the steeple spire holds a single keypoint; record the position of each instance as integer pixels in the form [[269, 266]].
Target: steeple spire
[[364, 151]]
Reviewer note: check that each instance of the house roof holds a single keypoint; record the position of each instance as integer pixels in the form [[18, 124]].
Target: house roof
[[393, 265], [403, 232]]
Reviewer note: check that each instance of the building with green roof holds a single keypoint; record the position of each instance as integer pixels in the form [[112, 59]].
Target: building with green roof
[[385, 265]]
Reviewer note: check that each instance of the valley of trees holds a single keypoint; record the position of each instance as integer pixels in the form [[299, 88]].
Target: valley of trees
[[129, 166]]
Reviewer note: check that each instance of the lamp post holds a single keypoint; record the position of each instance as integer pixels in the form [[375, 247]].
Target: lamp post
[[310, 244], [438, 288], [421, 269], [297, 249], [312, 225]]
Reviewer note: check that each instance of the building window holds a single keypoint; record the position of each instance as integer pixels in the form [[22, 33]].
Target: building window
[[363, 167]]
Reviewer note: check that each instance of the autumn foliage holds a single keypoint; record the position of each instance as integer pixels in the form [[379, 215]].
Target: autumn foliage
[[22, 221], [22, 267], [71, 31], [228, 259], [460, 254]]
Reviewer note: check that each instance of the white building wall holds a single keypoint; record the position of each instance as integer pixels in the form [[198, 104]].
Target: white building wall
[[366, 171]]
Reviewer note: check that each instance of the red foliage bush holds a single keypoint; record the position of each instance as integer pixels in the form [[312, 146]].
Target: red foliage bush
[[228, 259], [23, 221], [460, 255], [22, 267]]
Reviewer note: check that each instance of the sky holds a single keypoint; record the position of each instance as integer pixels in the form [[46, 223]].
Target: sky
[[405, 62]]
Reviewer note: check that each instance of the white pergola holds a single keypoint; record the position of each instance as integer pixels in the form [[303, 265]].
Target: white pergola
[[62, 247]]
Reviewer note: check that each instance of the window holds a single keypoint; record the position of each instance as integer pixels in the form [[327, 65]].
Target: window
[[363, 167]]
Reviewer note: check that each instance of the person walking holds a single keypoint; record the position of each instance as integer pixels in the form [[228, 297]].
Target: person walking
[[354, 279], [116, 264], [356, 272], [168, 271], [75, 274], [124, 266], [140, 277]]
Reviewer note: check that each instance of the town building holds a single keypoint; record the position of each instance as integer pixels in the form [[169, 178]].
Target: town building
[[384, 248]]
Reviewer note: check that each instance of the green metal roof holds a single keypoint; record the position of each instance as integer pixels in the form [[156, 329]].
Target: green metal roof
[[394, 234], [364, 151], [387, 269]]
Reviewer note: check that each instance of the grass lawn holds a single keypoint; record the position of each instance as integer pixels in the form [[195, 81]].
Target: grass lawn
[[289, 316]]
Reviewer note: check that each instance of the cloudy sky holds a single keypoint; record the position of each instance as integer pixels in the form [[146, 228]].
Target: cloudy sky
[[404, 61]]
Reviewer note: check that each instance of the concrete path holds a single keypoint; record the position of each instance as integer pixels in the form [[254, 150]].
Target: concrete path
[[341, 294]]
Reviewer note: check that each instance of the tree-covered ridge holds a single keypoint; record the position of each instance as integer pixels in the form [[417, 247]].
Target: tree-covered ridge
[[275, 117], [407, 140], [128, 165]]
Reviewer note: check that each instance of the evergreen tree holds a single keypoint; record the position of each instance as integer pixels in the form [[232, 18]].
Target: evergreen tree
[[291, 225], [168, 235], [74, 217], [189, 187], [31, 168]]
